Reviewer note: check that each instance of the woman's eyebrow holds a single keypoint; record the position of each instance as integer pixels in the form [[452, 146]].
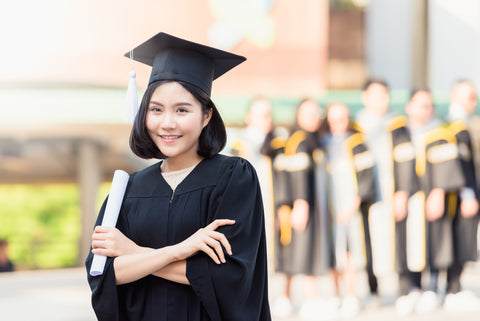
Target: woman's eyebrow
[[155, 103], [183, 103]]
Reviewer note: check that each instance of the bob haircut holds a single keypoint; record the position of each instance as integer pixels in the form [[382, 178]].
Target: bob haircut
[[212, 138], [376, 81]]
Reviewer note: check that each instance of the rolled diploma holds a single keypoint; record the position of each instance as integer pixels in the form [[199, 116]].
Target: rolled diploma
[[114, 203]]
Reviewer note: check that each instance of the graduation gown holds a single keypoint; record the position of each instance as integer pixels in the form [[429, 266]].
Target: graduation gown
[[350, 174], [465, 229], [430, 243], [153, 216], [297, 252], [247, 145], [388, 140]]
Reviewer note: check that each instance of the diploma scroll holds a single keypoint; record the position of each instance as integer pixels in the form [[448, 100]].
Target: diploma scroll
[[114, 203]]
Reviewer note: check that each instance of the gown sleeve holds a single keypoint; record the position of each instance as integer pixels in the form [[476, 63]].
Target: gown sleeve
[[403, 157], [466, 153], [363, 165], [104, 288], [446, 173], [235, 290]]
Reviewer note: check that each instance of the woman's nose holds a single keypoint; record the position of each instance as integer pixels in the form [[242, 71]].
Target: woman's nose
[[168, 121]]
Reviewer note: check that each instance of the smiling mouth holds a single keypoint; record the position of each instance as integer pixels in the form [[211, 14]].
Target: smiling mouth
[[170, 138]]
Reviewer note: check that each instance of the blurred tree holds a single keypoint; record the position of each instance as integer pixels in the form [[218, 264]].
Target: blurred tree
[[42, 224]]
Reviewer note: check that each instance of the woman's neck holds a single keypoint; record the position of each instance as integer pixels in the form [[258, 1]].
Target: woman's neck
[[173, 164]]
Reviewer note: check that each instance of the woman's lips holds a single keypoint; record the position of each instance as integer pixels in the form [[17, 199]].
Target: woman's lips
[[170, 138]]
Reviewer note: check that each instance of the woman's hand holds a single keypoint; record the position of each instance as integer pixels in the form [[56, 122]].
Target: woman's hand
[[344, 217], [435, 204], [207, 240], [469, 207], [109, 241], [400, 205], [299, 215]]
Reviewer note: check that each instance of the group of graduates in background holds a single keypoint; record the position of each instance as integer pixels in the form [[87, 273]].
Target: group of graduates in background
[[386, 193]]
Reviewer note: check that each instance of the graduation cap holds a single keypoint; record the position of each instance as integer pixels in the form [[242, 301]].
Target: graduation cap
[[178, 59]]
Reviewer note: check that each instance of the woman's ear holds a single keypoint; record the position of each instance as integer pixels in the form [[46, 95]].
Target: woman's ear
[[207, 117]]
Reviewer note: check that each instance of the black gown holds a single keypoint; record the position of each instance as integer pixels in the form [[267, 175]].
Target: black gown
[[153, 216], [296, 175], [465, 229]]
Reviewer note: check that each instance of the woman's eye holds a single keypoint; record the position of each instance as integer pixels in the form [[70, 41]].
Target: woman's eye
[[182, 110], [155, 109]]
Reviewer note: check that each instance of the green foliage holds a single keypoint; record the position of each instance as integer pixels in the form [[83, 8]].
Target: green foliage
[[41, 223]]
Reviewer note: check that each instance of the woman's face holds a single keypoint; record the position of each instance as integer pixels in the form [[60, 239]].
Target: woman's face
[[337, 118], [175, 121], [376, 99], [464, 94], [420, 108], [308, 116]]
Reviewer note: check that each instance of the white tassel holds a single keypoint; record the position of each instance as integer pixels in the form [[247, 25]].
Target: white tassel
[[132, 95]]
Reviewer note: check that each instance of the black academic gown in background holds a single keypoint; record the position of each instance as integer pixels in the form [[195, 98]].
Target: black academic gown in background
[[362, 169], [293, 171], [465, 229], [153, 216], [363, 166], [438, 166], [405, 179]]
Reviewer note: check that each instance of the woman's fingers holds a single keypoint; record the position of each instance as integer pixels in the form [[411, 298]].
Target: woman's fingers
[[210, 252], [98, 244], [103, 229], [215, 245], [211, 243], [219, 222], [113, 240], [102, 251], [102, 232], [223, 240], [207, 240]]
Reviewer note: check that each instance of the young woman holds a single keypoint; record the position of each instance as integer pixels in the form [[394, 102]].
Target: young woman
[[190, 242], [350, 183], [301, 234]]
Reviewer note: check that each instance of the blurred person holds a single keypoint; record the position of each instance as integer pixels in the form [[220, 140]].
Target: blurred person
[[425, 237], [190, 242], [463, 102], [299, 240], [462, 108], [5, 264], [388, 140], [249, 141], [258, 121], [351, 182]]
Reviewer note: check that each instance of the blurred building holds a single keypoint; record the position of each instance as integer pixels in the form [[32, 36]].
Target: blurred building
[[431, 43]]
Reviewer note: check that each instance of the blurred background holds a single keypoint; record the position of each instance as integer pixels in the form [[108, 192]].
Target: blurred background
[[63, 86]]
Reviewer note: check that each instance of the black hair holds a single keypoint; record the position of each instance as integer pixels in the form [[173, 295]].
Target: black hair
[[302, 101], [256, 98], [212, 138], [313, 138], [325, 127], [462, 81], [414, 91], [372, 81]]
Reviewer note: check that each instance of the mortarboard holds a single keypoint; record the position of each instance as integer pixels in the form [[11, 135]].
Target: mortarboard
[[174, 58]]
